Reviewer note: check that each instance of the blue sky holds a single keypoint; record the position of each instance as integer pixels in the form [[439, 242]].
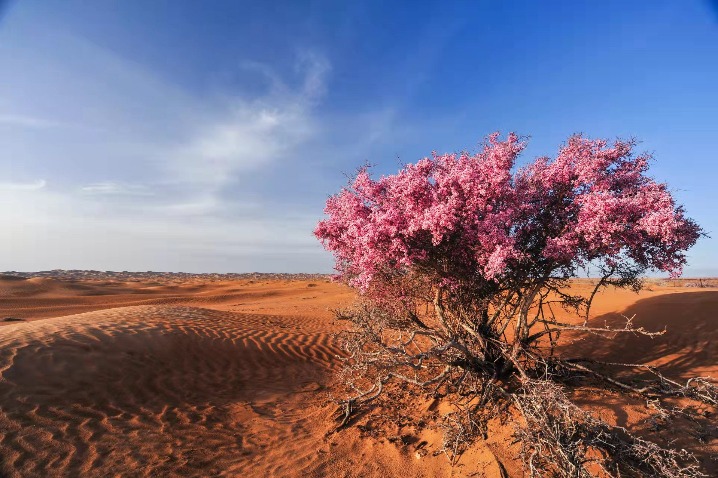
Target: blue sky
[[205, 136]]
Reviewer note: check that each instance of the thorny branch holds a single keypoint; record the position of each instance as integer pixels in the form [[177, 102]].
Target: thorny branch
[[498, 357]]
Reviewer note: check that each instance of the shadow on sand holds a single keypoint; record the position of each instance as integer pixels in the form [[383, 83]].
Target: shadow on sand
[[689, 346]]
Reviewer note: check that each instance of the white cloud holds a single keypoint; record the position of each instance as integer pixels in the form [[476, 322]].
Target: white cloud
[[49, 230], [148, 188], [116, 189], [252, 132], [31, 186]]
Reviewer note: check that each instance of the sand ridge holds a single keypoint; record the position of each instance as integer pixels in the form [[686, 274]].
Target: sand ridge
[[45, 297]]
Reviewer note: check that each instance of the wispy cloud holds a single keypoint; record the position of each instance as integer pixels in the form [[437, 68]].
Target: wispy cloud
[[115, 189], [315, 68], [252, 132], [155, 185], [29, 121], [23, 186]]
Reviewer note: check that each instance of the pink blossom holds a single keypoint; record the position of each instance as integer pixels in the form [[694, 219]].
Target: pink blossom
[[469, 217]]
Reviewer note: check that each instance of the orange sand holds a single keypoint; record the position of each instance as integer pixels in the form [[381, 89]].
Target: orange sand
[[105, 378]]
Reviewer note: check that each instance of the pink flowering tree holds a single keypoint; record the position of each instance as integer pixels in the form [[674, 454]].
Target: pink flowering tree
[[461, 260]]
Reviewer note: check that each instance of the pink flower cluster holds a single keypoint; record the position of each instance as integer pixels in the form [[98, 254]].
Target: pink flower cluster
[[471, 213]]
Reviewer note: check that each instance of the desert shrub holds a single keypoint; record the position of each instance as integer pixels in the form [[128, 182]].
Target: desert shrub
[[461, 262]]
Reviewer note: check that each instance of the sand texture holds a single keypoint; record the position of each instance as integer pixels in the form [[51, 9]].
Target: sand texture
[[232, 378]]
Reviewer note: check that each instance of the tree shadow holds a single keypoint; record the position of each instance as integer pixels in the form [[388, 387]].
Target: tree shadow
[[687, 349], [689, 346]]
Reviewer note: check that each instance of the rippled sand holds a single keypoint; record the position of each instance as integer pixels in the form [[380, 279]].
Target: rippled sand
[[230, 379]]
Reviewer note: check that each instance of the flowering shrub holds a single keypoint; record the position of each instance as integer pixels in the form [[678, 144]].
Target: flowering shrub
[[467, 217], [458, 259]]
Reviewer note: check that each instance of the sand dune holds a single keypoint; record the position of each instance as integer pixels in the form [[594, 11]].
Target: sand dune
[[231, 379], [164, 390]]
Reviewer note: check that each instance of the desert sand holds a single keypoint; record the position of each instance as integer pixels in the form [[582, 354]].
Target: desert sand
[[194, 377]]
